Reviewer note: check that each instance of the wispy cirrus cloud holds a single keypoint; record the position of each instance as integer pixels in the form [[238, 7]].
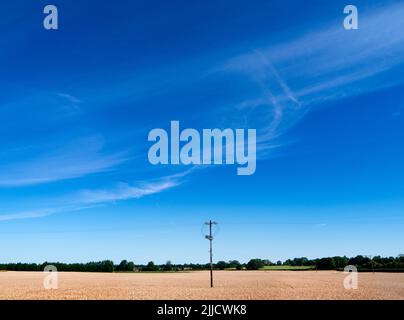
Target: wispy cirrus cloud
[[125, 191], [74, 160], [292, 78], [89, 198], [41, 107], [26, 214], [296, 75], [72, 104]]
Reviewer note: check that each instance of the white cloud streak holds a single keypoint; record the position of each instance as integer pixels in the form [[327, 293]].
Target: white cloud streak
[[125, 191], [26, 214], [320, 66], [85, 199], [77, 159]]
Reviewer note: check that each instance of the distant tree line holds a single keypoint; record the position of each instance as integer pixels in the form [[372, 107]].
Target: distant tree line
[[363, 263], [101, 266], [376, 263]]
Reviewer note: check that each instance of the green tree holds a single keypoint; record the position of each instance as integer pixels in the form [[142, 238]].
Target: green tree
[[168, 266], [234, 264], [131, 266], [221, 265], [267, 262], [255, 264], [359, 261], [123, 266], [288, 262], [107, 266], [151, 267], [326, 264], [341, 262]]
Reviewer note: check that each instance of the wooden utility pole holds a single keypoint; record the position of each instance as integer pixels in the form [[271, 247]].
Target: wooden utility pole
[[210, 238]]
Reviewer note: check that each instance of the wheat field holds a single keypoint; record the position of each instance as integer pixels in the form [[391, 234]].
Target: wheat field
[[195, 285]]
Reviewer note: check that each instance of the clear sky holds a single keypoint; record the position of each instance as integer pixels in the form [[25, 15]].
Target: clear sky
[[77, 104]]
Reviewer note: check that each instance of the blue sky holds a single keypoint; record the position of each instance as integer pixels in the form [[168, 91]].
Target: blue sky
[[77, 104]]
